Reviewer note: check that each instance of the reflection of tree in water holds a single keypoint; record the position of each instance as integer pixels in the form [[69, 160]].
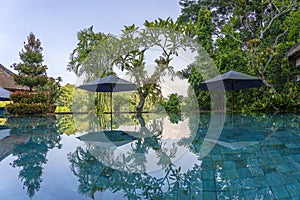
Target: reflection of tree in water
[[42, 135], [213, 176], [200, 125], [131, 179], [94, 176], [66, 124], [175, 117], [149, 137]]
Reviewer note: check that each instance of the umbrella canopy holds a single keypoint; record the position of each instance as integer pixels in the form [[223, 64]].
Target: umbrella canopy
[[231, 80], [4, 94], [109, 84]]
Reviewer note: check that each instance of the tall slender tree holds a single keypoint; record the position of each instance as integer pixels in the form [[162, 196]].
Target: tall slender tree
[[31, 71], [44, 90]]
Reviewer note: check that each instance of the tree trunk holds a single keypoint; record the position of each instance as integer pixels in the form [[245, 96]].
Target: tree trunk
[[140, 119], [144, 132], [143, 95], [267, 84], [141, 104]]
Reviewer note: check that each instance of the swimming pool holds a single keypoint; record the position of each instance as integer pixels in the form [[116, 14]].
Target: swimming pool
[[70, 157]]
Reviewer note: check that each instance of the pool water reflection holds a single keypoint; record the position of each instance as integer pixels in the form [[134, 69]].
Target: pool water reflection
[[71, 157]]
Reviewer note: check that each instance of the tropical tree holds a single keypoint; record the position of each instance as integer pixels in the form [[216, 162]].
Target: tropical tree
[[87, 42], [166, 36], [85, 62], [252, 37], [128, 53]]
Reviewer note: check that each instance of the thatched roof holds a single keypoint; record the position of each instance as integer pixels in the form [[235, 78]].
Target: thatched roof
[[7, 80], [294, 52]]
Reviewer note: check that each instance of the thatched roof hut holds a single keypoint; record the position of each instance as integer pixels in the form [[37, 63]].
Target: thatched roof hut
[[7, 80]]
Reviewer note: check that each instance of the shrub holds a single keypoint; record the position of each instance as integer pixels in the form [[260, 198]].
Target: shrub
[[27, 109], [173, 104], [29, 97], [172, 107]]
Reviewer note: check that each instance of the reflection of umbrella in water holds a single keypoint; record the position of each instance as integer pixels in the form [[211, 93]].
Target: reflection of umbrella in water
[[234, 145], [108, 139], [4, 94], [4, 132], [232, 81], [236, 138], [109, 84]]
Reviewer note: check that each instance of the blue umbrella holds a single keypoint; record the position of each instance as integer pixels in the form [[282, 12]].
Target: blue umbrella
[[109, 84], [4, 94], [232, 80]]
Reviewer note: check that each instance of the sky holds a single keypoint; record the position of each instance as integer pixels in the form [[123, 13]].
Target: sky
[[56, 23]]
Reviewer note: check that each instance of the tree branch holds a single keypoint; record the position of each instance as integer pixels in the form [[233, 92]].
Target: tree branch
[[273, 46], [246, 24], [262, 32], [233, 37]]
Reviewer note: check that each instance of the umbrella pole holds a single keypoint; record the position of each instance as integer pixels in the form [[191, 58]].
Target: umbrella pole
[[110, 110], [232, 117], [232, 100], [233, 82]]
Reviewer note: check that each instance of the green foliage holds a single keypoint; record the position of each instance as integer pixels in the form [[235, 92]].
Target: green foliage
[[66, 124], [53, 88], [66, 96], [167, 36], [87, 42], [31, 71], [250, 37], [152, 102], [96, 53], [205, 29], [288, 102], [189, 11], [173, 103], [27, 98], [195, 76], [102, 103], [31, 81], [27, 109], [173, 107], [28, 103]]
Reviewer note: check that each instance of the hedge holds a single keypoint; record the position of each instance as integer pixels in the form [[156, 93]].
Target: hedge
[[29, 97], [25, 108]]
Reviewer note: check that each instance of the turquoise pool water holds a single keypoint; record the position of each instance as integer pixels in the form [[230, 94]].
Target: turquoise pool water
[[70, 157]]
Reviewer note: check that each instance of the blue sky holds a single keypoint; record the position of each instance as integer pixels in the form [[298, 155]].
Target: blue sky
[[56, 22]]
